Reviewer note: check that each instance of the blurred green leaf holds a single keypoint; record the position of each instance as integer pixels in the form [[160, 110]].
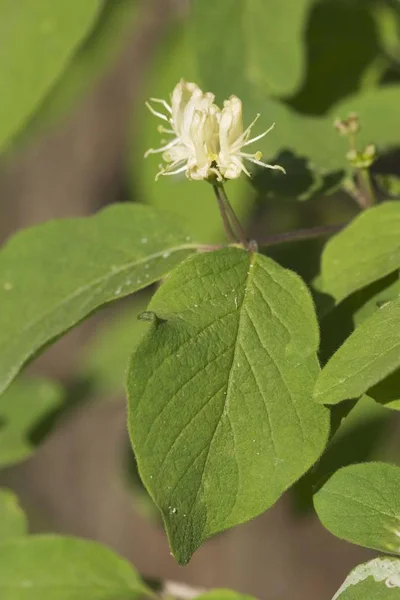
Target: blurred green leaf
[[106, 356], [49, 567], [361, 504], [22, 408], [262, 43], [368, 355], [54, 275], [377, 579], [193, 201], [94, 56], [363, 252], [221, 387], [12, 518], [39, 38], [358, 436], [340, 66]]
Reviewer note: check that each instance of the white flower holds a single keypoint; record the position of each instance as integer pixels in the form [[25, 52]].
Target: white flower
[[193, 120], [233, 138], [207, 142]]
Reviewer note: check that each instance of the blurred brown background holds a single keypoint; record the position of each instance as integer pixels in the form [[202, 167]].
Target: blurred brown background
[[74, 482]]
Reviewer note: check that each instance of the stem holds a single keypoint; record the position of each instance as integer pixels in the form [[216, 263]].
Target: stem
[[232, 224], [301, 234], [224, 216], [366, 196]]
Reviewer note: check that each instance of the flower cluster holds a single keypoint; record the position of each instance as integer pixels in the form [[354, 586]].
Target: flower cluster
[[207, 142]]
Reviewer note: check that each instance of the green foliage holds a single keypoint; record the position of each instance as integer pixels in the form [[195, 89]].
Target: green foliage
[[368, 355], [361, 504], [221, 386], [54, 275], [23, 407], [347, 62], [374, 580], [95, 54], [40, 37], [12, 519], [365, 251], [251, 43], [59, 568]]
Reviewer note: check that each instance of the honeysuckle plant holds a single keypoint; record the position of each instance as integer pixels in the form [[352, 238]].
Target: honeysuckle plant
[[248, 371]]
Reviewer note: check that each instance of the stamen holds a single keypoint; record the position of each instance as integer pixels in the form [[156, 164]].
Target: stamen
[[180, 170], [162, 129], [258, 137], [156, 113], [163, 102], [162, 149], [266, 165], [246, 132]]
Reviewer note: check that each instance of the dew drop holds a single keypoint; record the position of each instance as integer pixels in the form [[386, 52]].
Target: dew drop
[[118, 291], [144, 240], [165, 254], [8, 286]]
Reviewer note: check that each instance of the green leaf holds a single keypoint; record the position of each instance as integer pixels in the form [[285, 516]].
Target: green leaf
[[360, 436], [22, 408], [60, 568], [12, 519], [224, 595], [106, 356], [192, 201], [220, 410], [250, 39], [363, 252], [40, 36], [54, 275], [370, 353], [377, 579], [387, 391], [94, 56], [361, 504]]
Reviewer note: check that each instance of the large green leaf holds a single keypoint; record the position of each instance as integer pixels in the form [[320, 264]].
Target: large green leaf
[[250, 39], [59, 568], [370, 353], [365, 251], [378, 579], [361, 504], [192, 200], [12, 518], [38, 38], [54, 275], [220, 393], [97, 53], [22, 408]]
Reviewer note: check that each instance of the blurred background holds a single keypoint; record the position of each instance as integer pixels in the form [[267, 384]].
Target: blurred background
[[81, 149]]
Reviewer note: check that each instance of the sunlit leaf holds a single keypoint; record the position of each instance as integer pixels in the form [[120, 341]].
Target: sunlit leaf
[[220, 409]]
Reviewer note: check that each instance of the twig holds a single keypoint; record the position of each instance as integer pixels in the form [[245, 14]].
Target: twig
[[301, 234]]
